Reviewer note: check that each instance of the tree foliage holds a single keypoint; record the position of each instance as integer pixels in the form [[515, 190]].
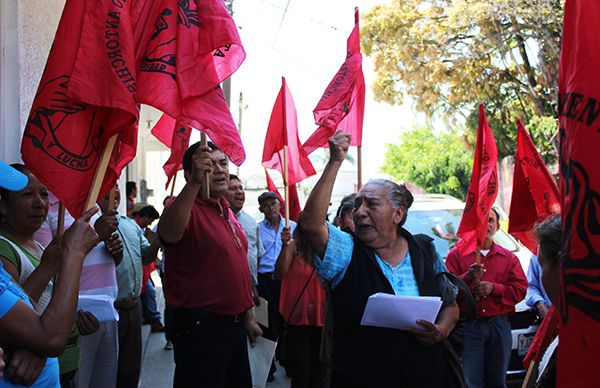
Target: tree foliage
[[437, 162], [450, 55]]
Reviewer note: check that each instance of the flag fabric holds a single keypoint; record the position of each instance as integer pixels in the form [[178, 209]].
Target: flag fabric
[[295, 208], [579, 120], [283, 131], [342, 105], [483, 189], [176, 136], [187, 49], [108, 57], [544, 335], [535, 194], [70, 122]]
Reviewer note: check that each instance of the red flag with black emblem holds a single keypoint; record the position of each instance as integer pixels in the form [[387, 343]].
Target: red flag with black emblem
[[535, 194], [342, 105], [295, 208], [283, 131], [579, 120], [108, 56], [187, 49], [70, 120], [483, 189], [175, 136]]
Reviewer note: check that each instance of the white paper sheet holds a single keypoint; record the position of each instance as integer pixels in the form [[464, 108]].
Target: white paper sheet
[[99, 305], [400, 312], [261, 312], [260, 357]]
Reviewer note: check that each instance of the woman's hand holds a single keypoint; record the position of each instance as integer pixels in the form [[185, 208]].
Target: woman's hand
[[432, 334], [87, 323], [338, 146], [24, 367], [286, 235]]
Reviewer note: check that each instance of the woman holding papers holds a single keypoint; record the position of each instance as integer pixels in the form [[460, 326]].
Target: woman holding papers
[[380, 257], [302, 305]]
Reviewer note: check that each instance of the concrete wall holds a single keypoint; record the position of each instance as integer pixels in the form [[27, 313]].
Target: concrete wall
[[27, 30]]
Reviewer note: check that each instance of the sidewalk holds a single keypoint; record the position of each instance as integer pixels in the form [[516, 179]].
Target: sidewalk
[[158, 366]]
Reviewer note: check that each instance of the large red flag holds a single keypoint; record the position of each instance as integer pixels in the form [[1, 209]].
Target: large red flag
[[579, 120], [71, 120], [295, 208], [283, 131], [186, 49], [535, 194], [176, 136], [343, 103], [483, 189], [111, 55]]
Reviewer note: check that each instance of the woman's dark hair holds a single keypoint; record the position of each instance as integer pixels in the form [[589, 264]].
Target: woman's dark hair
[[305, 249], [187, 156], [549, 236], [148, 211], [346, 205], [129, 186], [19, 167], [398, 195]]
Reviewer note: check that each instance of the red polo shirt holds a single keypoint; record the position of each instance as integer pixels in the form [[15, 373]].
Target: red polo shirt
[[503, 269], [207, 269]]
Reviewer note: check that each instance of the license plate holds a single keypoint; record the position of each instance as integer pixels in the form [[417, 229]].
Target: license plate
[[524, 343]]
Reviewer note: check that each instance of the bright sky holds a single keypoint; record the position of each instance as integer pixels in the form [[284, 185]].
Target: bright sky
[[307, 44]]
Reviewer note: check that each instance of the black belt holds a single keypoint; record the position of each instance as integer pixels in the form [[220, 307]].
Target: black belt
[[193, 315], [489, 319], [267, 275]]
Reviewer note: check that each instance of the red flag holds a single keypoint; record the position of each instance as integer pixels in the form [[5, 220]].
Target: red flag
[[543, 337], [295, 208], [163, 129], [283, 131], [186, 50], [175, 136], [483, 189], [70, 120], [579, 120], [343, 103], [535, 194]]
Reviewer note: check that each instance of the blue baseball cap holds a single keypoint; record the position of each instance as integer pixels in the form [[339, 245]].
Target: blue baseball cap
[[11, 178]]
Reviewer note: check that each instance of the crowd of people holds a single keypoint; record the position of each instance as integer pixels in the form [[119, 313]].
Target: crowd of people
[[72, 303]]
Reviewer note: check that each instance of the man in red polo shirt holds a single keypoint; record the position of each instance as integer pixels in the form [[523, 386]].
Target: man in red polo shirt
[[207, 282], [498, 284]]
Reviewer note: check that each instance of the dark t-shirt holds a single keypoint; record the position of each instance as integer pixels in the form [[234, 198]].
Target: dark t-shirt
[[208, 268]]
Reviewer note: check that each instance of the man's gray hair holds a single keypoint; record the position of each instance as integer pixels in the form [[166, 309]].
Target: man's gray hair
[[398, 195]]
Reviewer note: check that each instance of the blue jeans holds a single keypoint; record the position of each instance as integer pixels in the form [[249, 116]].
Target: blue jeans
[[149, 302], [487, 353]]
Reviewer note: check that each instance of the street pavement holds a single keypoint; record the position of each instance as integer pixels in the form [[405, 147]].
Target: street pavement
[[158, 365]]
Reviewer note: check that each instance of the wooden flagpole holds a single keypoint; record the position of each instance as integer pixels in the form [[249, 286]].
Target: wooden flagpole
[[205, 178], [100, 173], [359, 161], [530, 378], [173, 184], [286, 186], [60, 230]]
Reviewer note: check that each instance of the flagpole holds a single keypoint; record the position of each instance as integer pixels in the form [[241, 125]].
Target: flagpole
[[286, 186], [359, 161], [529, 377], [205, 177], [286, 189], [173, 184], [100, 173], [60, 230]]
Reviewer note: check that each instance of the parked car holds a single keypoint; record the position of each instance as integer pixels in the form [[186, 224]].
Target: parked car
[[439, 216]]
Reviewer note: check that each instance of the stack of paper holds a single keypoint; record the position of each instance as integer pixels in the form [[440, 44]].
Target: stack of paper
[[400, 312]]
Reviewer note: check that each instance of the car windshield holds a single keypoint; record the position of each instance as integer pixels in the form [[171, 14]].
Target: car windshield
[[442, 226]]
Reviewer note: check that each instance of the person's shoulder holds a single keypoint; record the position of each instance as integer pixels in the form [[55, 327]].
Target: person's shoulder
[[500, 250]]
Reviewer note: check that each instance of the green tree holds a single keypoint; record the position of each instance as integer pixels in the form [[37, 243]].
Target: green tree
[[450, 55], [437, 162]]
